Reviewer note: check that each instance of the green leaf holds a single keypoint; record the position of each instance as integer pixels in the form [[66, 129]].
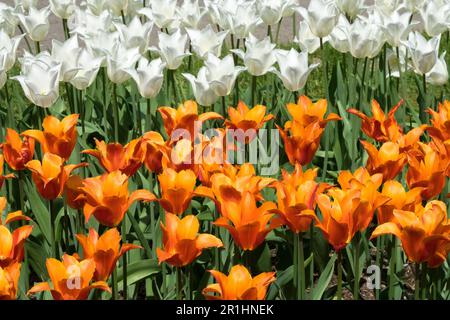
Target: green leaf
[[40, 211], [138, 271], [324, 279]]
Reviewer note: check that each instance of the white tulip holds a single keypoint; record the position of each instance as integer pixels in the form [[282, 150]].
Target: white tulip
[[259, 57], [387, 6], [321, 16], [396, 26], [62, 8], [206, 41], [414, 5], [148, 76], [394, 65], [306, 40], [87, 70], [161, 12], [102, 44], [10, 46], [172, 48], [96, 6], [26, 4], [271, 11], [290, 8], [135, 34], [438, 76], [119, 61], [43, 58], [40, 83], [244, 21], [190, 13], [222, 74], [87, 24], [3, 75], [366, 39], [294, 68], [67, 54], [203, 92], [339, 37], [351, 8], [36, 23], [8, 19], [423, 52], [435, 17], [117, 6]]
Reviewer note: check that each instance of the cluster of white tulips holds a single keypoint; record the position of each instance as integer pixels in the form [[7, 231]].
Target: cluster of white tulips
[[116, 34]]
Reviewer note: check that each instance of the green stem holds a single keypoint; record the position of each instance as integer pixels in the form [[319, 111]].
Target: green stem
[[124, 260], [356, 263], [339, 279], [422, 107], [327, 95], [392, 269], [253, 91], [294, 25], [66, 29], [417, 281], [53, 215], [115, 113], [38, 47], [104, 107], [114, 285], [278, 31], [224, 106], [301, 268], [148, 116], [26, 39], [179, 284], [10, 111]]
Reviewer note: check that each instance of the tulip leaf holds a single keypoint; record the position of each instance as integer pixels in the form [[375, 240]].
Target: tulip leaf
[[140, 234], [40, 211], [138, 271], [324, 279]]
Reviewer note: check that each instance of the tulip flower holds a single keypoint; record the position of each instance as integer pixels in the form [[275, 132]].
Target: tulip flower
[[87, 70], [296, 194], [338, 38], [438, 76], [36, 23], [247, 223], [8, 19], [423, 52], [92, 26], [388, 160], [113, 156], [120, 61], [203, 91], [271, 11], [238, 285], [440, 121], [9, 45], [154, 149], [135, 34], [241, 18], [400, 200], [321, 16], [206, 41], [66, 54], [435, 17], [184, 117], [397, 26], [426, 171], [366, 38], [104, 250], [424, 233], [149, 77], [302, 135], [259, 56], [162, 12], [71, 279], [3, 177], [181, 242], [177, 189], [190, 13], [40, 83], [15, 151], [107, 198], [350, 8], [117, 6], [62, 8], [58, 137], [306, 40], [73, 192], [172, 48], [221, 74], [294, 68], [51, 175], [380, 127], [9, 281]]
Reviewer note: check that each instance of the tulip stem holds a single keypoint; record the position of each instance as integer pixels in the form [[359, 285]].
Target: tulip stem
[[53, 215], [253, 91], [339, 279], [10, 111], [278, 31], [115, 113], [356, 265], [114, 285], [422, 105], [105, 116], [294, 25], [66, 29], [38, 47], [124, 260], [300, 271], [26, 39], [325, 83], [179, 288], [392, 268], [417, 281], [224, 106]]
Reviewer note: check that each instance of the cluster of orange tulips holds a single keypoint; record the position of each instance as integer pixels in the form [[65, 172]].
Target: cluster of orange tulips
[[341, 211]]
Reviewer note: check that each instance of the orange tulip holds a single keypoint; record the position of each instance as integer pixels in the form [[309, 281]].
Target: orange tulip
[[180, 156], [359, 179], [426, 171], [302, 135], [246, 119], [177, 189], [297, 193], [2, 177], [184, 117], [11, 244], [155, 147], [440, 121], [247, 224], [350, 211], [17, 152], [238, 285], [380, 127], [107, 198], [71, 279], [388, 160], [425, 233], [73, 192], [104, 250], [9, 281], [399, 199], [51, 175], [58, 137], [181, 242], [114, 156]]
